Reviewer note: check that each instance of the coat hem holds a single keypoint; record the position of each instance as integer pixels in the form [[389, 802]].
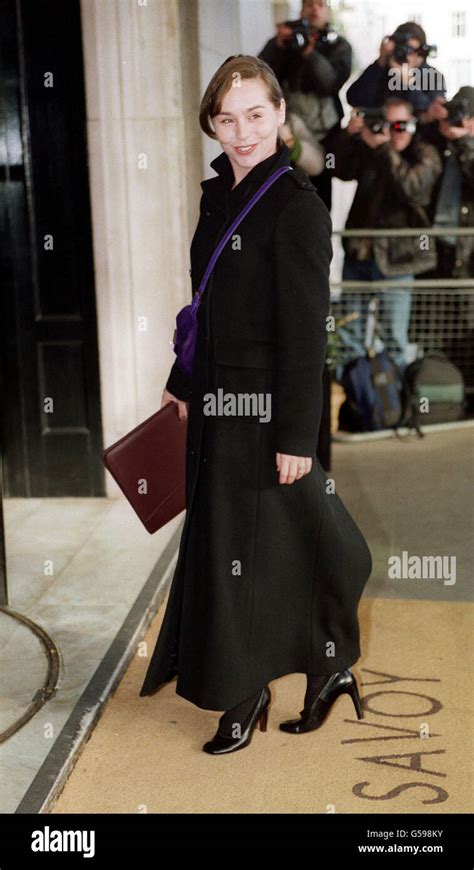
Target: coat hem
[[208, 704]]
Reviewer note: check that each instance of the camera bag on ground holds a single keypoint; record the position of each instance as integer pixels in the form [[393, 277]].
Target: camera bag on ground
[[373, 394], [372, 384], [435, 378]]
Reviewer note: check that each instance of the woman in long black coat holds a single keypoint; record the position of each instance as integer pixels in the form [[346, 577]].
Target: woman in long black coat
[[271, 565]]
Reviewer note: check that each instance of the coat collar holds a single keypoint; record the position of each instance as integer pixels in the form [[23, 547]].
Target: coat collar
[[218, 191]]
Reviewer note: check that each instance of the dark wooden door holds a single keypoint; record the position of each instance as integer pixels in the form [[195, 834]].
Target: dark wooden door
[[51, 417]]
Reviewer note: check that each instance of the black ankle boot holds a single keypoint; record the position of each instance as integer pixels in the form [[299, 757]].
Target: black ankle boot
[[317, 708], [236, 726]]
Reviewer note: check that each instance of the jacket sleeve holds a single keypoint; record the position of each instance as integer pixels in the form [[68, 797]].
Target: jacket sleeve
[[303, 253], [464, 148], [328, 74], [348, 154], [178, 384], [369, 88], [414, 182]]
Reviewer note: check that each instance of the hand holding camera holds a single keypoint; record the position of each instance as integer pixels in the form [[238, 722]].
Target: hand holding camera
[[374, 128], [373, 140], [453, 116], [402, 49], [436, 110], [356, 122], [299, 36], [284, 33], [370, 124], [387, 47]]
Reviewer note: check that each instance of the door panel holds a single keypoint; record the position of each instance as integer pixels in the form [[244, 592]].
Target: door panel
[[51, 425]]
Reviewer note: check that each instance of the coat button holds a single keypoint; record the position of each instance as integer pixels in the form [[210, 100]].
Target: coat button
[[464, 209]]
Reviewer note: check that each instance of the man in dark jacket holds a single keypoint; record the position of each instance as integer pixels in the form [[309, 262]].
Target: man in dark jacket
[[312, 76], [401, 69], [453, 196], [396, 172]]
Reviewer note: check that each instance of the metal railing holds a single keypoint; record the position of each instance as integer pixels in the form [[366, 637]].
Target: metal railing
[[441, 310]]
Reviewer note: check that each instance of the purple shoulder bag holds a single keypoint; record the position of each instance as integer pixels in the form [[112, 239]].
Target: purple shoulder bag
[[184, 339]]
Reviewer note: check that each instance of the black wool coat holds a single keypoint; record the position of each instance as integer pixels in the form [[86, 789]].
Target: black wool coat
[[269, 575]]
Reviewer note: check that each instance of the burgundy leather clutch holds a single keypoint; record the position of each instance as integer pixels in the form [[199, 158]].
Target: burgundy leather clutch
[[149, 465]]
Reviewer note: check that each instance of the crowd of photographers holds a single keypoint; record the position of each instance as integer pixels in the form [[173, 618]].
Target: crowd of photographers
[[410, 150]]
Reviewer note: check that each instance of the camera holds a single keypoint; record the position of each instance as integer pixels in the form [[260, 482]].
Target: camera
[[299, 39], [403, 126], [374, 118], [458, 110], [403, 48]]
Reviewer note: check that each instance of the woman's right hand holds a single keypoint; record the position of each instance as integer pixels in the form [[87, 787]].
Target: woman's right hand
[[182, 406]]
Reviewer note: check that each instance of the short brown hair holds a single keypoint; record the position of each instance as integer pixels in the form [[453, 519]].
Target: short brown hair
[[248, 67], [398, 101], [411, 30]]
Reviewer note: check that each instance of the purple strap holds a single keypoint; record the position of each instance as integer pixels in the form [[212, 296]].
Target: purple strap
[[273, 177]]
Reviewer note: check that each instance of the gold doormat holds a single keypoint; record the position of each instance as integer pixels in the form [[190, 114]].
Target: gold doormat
[[411, 753]]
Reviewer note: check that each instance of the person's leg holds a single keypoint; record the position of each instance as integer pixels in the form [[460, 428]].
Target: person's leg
[[314, 684], [238, 716], [353, 301], [395, 320]]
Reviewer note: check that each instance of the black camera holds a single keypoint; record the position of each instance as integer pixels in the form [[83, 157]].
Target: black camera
[[458, 110], [299, 39], [403, 48], [374, 118], [403, 126]]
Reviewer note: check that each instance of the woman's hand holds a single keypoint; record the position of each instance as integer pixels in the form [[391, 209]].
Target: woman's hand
[[182, 406], [291, 468]]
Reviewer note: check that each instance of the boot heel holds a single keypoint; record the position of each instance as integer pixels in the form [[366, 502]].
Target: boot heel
[[353, 691], [264, 720]]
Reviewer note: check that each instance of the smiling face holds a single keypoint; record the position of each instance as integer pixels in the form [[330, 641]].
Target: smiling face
[[247, 125]]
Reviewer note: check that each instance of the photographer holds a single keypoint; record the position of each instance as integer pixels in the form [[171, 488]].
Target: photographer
[[401, 66], [396, 173], [453, 197], [311, 63]]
